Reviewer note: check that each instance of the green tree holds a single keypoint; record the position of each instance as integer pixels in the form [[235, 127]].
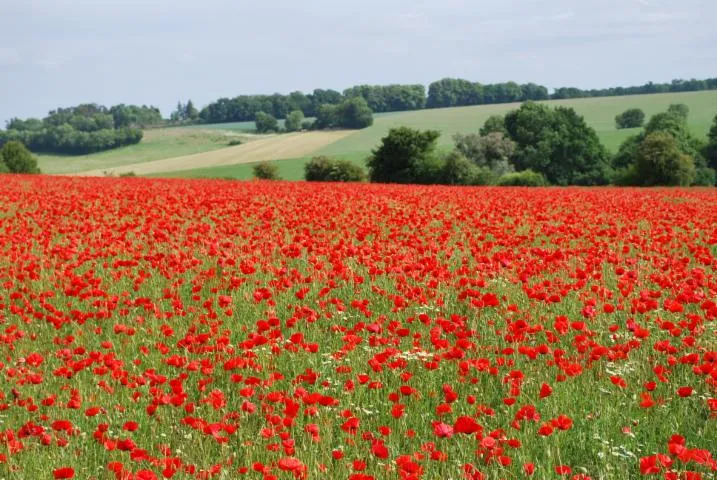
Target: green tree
[[660, 162], [456, 169], [293, 121], [558, 144], [190, 111], [711, 147], [405, 155], [266, 171], [355, 114], [492, 151], [18, 159], [679, 109], [494, 123], [632, 118], [266, 123]]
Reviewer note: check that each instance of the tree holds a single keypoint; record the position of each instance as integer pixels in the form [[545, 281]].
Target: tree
[[266, 171], [190, 111], [558, 144], [355, 113], [456, 169], [492, 151], [632, 118], [679, 109], [405, 155], [710, 150], [494, 123], [293, 121], [660, 162], [18, 159], [265, 123]]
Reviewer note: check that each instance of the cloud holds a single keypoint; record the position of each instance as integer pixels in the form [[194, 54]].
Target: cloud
[[9, 57]]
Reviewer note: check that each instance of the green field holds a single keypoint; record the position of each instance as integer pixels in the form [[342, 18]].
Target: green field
[[599, 113], [175, 142], [156, 145]]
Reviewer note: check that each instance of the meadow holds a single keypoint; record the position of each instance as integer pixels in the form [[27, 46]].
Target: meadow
[[356, 145], [277, 330]]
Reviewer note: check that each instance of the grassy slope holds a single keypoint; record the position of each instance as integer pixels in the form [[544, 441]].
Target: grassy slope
[[599, 112], [156, 145]]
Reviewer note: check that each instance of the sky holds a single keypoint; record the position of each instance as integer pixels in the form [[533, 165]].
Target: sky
[[63, 52]]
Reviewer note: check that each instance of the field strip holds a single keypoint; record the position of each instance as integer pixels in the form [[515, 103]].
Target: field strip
[[272, 148]]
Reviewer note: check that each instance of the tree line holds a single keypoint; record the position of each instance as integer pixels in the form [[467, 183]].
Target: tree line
[[83, 129], [444, 93], [534, 145]]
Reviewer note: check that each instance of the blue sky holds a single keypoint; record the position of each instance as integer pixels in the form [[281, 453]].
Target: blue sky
[[63, 52]]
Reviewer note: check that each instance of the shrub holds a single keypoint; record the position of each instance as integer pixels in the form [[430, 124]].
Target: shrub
[[266, 123], [266, 171], [234, 142], [679, 109], [493, 150], [293, 121], [526, 178], [632, 118], [325, 169], [705, 177], [494, 124], [456, 169], [18, 159], [660, 162], [3, 167], [405, 155], [127, 174], [307, 125]]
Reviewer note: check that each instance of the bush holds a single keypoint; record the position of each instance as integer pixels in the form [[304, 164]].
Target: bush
[[18, 159], [660, 162], [3, 167], [127, 174], [526, 178], [234, 142], [266, 171], [293, 121], [405, 155], [266, 123], [492, 151], [679, 109], [325, 169], [705, 177], [456, 169], [632, 118], [307, 125], [494, 124]]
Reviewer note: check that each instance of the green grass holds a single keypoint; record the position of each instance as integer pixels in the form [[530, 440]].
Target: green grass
[[166, 143], [598, 112], [289, 169], [156, 145]]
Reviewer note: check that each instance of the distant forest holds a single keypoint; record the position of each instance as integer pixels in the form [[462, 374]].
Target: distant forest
[[448, 92]]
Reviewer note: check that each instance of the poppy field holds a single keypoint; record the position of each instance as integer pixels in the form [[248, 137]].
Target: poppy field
[[211, 329]]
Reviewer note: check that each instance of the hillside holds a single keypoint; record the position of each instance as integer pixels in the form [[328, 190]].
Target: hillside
[[171, 146], [598, 112]]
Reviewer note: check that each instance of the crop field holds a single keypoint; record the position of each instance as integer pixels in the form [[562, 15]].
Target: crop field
[[270, 147], [218, 329], [598, 112], [156, 145]]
